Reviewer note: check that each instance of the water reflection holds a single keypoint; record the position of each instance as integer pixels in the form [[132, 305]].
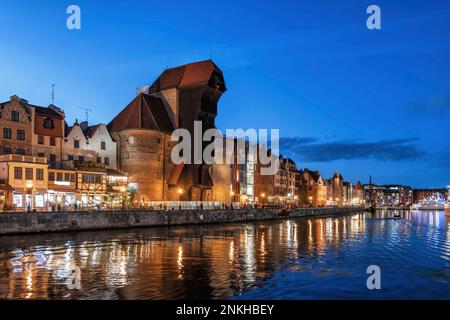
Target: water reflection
[[225, 260]]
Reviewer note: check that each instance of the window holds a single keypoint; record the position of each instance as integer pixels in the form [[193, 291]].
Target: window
[[21, 135], [7, 133], [52, 141], [70, 157], [81, 159], [99, 159], [40, 139], [103, 145], [76, 144], [48, 123], [51, 176], [59, 176], [29, 173], [67, 177], [40, 174], [6, 150], [72, 177], [159, 140], [52, 158], [18, 173], [107, 161], [15, 116], [20, 152], [98, 178], [41, 155]]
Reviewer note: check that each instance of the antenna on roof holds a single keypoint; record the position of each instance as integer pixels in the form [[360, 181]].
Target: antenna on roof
[[211, 55], [53, 93], [87, 113]]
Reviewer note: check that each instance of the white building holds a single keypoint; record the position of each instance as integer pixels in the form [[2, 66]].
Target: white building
[[101, 142], [90, 144], [76, 145]]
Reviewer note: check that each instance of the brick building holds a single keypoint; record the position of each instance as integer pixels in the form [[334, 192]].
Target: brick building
[[143, 129]]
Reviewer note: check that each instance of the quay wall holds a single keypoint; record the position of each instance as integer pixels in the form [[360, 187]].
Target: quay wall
[[24, 223]]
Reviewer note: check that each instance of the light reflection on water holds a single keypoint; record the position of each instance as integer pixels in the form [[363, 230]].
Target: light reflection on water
[[293, 259]]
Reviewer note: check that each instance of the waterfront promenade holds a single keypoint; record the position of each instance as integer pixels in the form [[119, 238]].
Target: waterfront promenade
[[24, 223]]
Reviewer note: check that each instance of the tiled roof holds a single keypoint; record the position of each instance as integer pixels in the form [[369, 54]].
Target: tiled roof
[[144, 112], [46, 112], [187, 75], [90, 131]]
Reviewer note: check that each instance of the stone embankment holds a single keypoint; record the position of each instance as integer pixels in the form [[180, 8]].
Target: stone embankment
[[23, 223]]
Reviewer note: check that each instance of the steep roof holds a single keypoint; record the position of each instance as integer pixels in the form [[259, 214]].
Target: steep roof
[[44, 111], [338, 175], [314, 174], [358, 185], [187, 75], [48, 112], [90, 131], [144, 112]]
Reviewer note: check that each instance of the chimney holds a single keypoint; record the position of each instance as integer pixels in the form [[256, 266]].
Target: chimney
[[84, 125]]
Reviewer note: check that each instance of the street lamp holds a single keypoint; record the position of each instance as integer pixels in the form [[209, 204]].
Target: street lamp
[[29, 190], [123, 190]]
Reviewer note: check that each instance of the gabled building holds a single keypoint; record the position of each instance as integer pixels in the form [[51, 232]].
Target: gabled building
[[358, 194], [100, 141], [312, 189], [76, 146], [335, 192]]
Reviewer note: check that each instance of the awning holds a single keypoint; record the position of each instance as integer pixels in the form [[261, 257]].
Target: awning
[[175, 174]]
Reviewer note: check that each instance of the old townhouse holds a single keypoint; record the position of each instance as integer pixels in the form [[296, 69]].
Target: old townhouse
[[312, 189]]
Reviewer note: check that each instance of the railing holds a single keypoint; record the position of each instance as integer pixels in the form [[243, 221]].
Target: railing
[[89, 209], [20, 158]]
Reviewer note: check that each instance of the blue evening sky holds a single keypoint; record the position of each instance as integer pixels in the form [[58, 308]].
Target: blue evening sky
[[345, 98]]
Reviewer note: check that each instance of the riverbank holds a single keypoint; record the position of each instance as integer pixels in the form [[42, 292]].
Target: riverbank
[[25, 223]]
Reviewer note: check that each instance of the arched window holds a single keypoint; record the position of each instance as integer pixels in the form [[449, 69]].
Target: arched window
[[48, 123]]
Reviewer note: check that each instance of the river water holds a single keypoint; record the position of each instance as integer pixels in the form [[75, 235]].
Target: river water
[[323, 258]]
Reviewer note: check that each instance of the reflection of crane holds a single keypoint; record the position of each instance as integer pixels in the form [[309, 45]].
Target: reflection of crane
[[87, 113]]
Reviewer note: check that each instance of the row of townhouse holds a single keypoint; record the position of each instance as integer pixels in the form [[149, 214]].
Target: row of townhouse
[[47, 165], [289, 185]]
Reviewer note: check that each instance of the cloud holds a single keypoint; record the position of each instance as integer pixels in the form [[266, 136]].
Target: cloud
[[435, 105], [313, 150]]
